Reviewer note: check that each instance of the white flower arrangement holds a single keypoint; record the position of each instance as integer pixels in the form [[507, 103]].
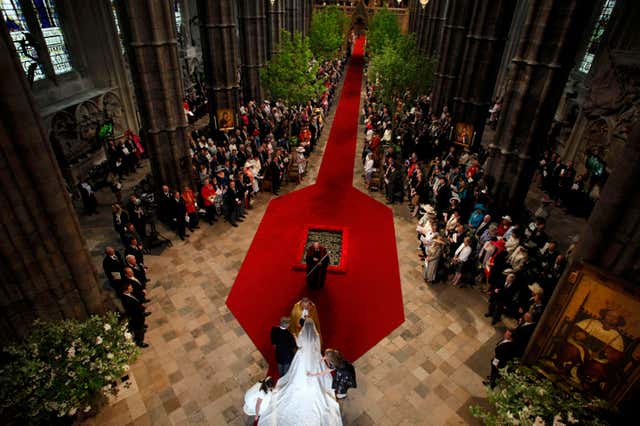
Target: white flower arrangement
[[537, 402], [64, 368]]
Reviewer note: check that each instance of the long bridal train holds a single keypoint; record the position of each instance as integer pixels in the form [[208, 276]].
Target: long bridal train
[[299, 399]]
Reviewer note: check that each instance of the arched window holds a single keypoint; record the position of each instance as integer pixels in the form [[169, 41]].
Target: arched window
[[177, 14], [52, 34], [117, 22], [596, 36], [23, 40], [37, 35]]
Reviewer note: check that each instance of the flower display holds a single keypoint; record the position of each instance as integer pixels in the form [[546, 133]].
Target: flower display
[[525, 397], [62, 368]]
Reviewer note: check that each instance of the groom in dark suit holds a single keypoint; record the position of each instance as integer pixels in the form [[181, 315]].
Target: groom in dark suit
[[285, 345]]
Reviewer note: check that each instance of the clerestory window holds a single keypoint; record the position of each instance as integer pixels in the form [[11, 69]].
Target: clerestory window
[[37, 35], [596, 36]]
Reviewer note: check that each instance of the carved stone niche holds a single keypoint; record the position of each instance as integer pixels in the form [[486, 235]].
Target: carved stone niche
[[64, 136], [74, 134], [112, 110], [613, 94], [89, 118]]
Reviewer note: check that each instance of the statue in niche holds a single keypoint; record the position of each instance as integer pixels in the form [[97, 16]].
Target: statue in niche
[[113, 112], [88, 116], [64, 136]]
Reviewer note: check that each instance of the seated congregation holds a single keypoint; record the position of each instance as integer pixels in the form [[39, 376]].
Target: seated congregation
[[269, 147]]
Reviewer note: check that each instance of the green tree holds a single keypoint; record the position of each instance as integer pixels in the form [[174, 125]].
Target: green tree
[[327, 33], [290, 75], [400, 66], [383, 29]]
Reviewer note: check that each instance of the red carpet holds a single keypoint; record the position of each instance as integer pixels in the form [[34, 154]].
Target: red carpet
[[357, 308]]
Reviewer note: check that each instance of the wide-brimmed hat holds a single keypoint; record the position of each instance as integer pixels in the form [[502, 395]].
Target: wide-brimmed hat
[[507, 217], [219, 169], [300, 149], [536, 289]]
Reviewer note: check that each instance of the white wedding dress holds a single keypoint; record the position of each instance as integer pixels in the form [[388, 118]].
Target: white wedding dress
[[301, 400]]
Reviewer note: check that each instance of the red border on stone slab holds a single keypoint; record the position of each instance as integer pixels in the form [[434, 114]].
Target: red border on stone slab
[[341, 268]]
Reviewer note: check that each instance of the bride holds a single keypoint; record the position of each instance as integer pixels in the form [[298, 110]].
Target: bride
[[299, 399]]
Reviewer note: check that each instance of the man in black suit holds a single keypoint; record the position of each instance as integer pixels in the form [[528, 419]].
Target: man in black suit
[[501, 299], [505, 352], [135, 250], [138, 271], [165, 213], [136, 314], [285, 345], [112, 264], [232, 202], [522, 334], [179, 214], [274, 168], [139, 288]]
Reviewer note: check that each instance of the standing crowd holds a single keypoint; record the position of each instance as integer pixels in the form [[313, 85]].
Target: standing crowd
[[462, 241]]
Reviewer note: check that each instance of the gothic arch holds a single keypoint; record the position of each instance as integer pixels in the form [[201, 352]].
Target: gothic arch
[[112, 110], [88, 116], [64, 137]]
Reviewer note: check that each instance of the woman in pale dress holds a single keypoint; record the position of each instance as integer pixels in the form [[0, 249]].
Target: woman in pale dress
[[434, 254], [257, 398]]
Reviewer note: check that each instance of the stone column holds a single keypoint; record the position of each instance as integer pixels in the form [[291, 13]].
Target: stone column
[[46, 270], [435, 15], [517, 23], [487, 35], [611, 239], [293, 20], [413, 14], [544, 57], [150, 37], [275, 24], [220, 53], [253, 26], [304, 17], [451, 53], [420, 25]]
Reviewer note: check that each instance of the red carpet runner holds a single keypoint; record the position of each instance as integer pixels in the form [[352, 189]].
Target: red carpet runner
[[358, 308]]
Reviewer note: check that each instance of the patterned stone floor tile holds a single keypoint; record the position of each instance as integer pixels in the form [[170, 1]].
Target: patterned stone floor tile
[[201, 362]]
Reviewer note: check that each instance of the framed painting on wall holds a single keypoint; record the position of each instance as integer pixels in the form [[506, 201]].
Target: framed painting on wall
[[593, 341]]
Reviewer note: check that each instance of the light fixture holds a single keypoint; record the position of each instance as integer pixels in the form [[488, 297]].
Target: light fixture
[[424, 3], [399, 2], [273, 2]]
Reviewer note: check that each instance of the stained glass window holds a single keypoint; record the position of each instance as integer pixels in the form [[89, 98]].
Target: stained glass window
[[17, 24], [115, 19], [178, 15], [596, 36], [52, 33]]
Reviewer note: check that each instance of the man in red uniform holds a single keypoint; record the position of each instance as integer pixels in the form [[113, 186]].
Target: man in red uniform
[[208, 193]]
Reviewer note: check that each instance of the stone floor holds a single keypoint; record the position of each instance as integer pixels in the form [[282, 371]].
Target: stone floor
[[200, 362]]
